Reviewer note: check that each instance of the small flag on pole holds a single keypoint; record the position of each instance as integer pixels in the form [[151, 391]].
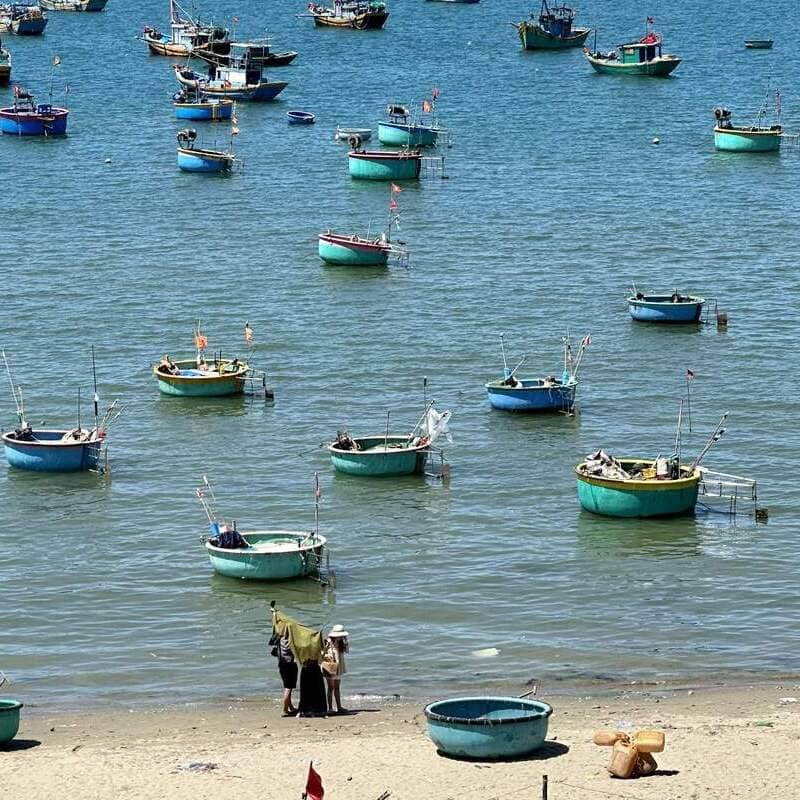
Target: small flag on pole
[[248, 333], [435, 92], [200, 341], [235, 20], [314, 790], [650, 21], [234, 131], [396, 189], [56, 60], [689, 375], [66, 88], [393, 205], [587, 340], [317, 492], [426, 106], [235, 119]]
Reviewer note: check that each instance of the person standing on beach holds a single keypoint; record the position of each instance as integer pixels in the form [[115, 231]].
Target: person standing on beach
[[287, 667], [334, 665]]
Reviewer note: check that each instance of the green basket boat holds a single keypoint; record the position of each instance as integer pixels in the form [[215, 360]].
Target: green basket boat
[[642, 488], [384, 165], [9, 719], [755, 138], [379, 456], [220, 378]]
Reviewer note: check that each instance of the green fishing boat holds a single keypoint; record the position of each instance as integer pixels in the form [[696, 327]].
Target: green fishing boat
[[756, 138], [552, 30], [642, 58]]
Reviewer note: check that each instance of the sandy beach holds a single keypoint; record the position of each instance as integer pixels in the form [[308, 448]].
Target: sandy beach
[[720, 743]]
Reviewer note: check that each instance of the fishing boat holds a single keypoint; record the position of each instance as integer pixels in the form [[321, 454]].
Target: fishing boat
[[58, 449], [674, 308], [758, 44], [383, 165], [549, 393], [261, 555], [361, 15], [194, 105], [402, 129], [187, 36], [27, 118], [388, 454], [553, 30], [23, 20], [201, 377], [643, 487], [460, 2], [258, 51], [644, 57], [236, 80], [300, 117], [759, 137], [352, 250], [201, 159], [345, 134], [5, 66], [73, 5]]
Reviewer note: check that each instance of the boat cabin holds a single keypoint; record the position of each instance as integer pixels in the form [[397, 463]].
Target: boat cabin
[[557, 20], [641, 52]]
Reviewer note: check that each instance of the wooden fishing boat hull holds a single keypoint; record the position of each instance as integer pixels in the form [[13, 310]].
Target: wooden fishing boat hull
[[217, 110], [271, 556], [370, 21], [43, 122], [50, 452], [400, 134], [300, 118], [378, 165], [73, 5], [352, 251], [744, 140], [638, 498], [657, 68], [163, 46], [29, 26], [373, 461], [193, 383], [531, 397], [267, 90], [535, 37], [758, 44], [660, 308], [195, 160], [9, 719]]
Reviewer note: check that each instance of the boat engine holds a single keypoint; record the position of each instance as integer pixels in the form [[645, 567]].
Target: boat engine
[[723, 116], [187, 136]]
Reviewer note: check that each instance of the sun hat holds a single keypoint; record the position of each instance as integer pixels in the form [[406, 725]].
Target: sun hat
[[338, 631]]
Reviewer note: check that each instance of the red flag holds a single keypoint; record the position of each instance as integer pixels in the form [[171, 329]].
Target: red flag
[[435, 92], [689, 375], [393, 205], [426, 106], [396, 189], [314, 790], [587, 340], [200, 341], [235, 20]]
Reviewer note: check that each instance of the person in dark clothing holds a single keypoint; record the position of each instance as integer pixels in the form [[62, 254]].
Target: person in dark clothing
[[287, 667], [313, 702]]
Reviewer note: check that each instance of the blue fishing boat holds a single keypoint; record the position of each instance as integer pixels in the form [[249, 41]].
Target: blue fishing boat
[[761, 136], [384, 165], [5, 66], [404, 129], [387, 454], [487, 727], [201, 159], [27, 118], [23, 20], [300, 117], [194, 105], [553, 30], [262, 555], [538, 394], [58, 449], [670, 308]]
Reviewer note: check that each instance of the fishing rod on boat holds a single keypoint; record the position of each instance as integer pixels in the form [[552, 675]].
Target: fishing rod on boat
[[79, 409], [316, 504], [503, 349], [678, 439], [421, 419], [585, 342], [20, 406], [96, 396], [386, 437], [716, 435]]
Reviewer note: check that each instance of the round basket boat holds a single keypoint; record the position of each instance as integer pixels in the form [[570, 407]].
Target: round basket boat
[[9, 719], [300, 117], [487, 727]]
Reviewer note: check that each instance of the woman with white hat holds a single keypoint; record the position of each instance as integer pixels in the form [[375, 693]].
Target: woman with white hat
[[334, 666]]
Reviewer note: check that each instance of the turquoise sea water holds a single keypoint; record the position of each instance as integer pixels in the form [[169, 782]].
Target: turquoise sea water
[[556, 201]]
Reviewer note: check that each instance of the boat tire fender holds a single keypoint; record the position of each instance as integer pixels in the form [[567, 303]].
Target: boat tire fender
[[354, 141]]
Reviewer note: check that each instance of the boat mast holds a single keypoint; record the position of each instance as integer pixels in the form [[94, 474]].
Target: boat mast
[[316, 504], [96, 397], [678, 430], [503, 349], [716, 435], [17, 400]]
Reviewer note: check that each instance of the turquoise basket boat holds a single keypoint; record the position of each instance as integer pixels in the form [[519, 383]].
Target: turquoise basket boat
[[488, 727], [642, 494], [383, 165], [220, 378], [9, 719], [379, 456], [274, 555], [669, 308], [756, 138]]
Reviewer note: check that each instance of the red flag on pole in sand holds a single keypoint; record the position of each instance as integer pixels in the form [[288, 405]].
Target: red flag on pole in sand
[[396, 189], [314, 790]]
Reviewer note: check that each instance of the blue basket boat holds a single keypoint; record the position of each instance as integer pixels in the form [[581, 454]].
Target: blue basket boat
[[201, 159], [549, 393], [27, 118], [300, 117], [9, 719], [488, 727], [670, 308], [404, 129]]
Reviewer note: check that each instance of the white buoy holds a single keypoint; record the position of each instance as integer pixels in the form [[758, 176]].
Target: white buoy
[[656, 140], [108, 161]]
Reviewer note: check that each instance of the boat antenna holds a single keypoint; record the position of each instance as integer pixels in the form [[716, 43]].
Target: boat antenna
[[17, 399], [316, 503], [689, 379], [678, 440], [716, 435], [386, 438], [96, 397], [585, 342], [79, 408], [503, 349]]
